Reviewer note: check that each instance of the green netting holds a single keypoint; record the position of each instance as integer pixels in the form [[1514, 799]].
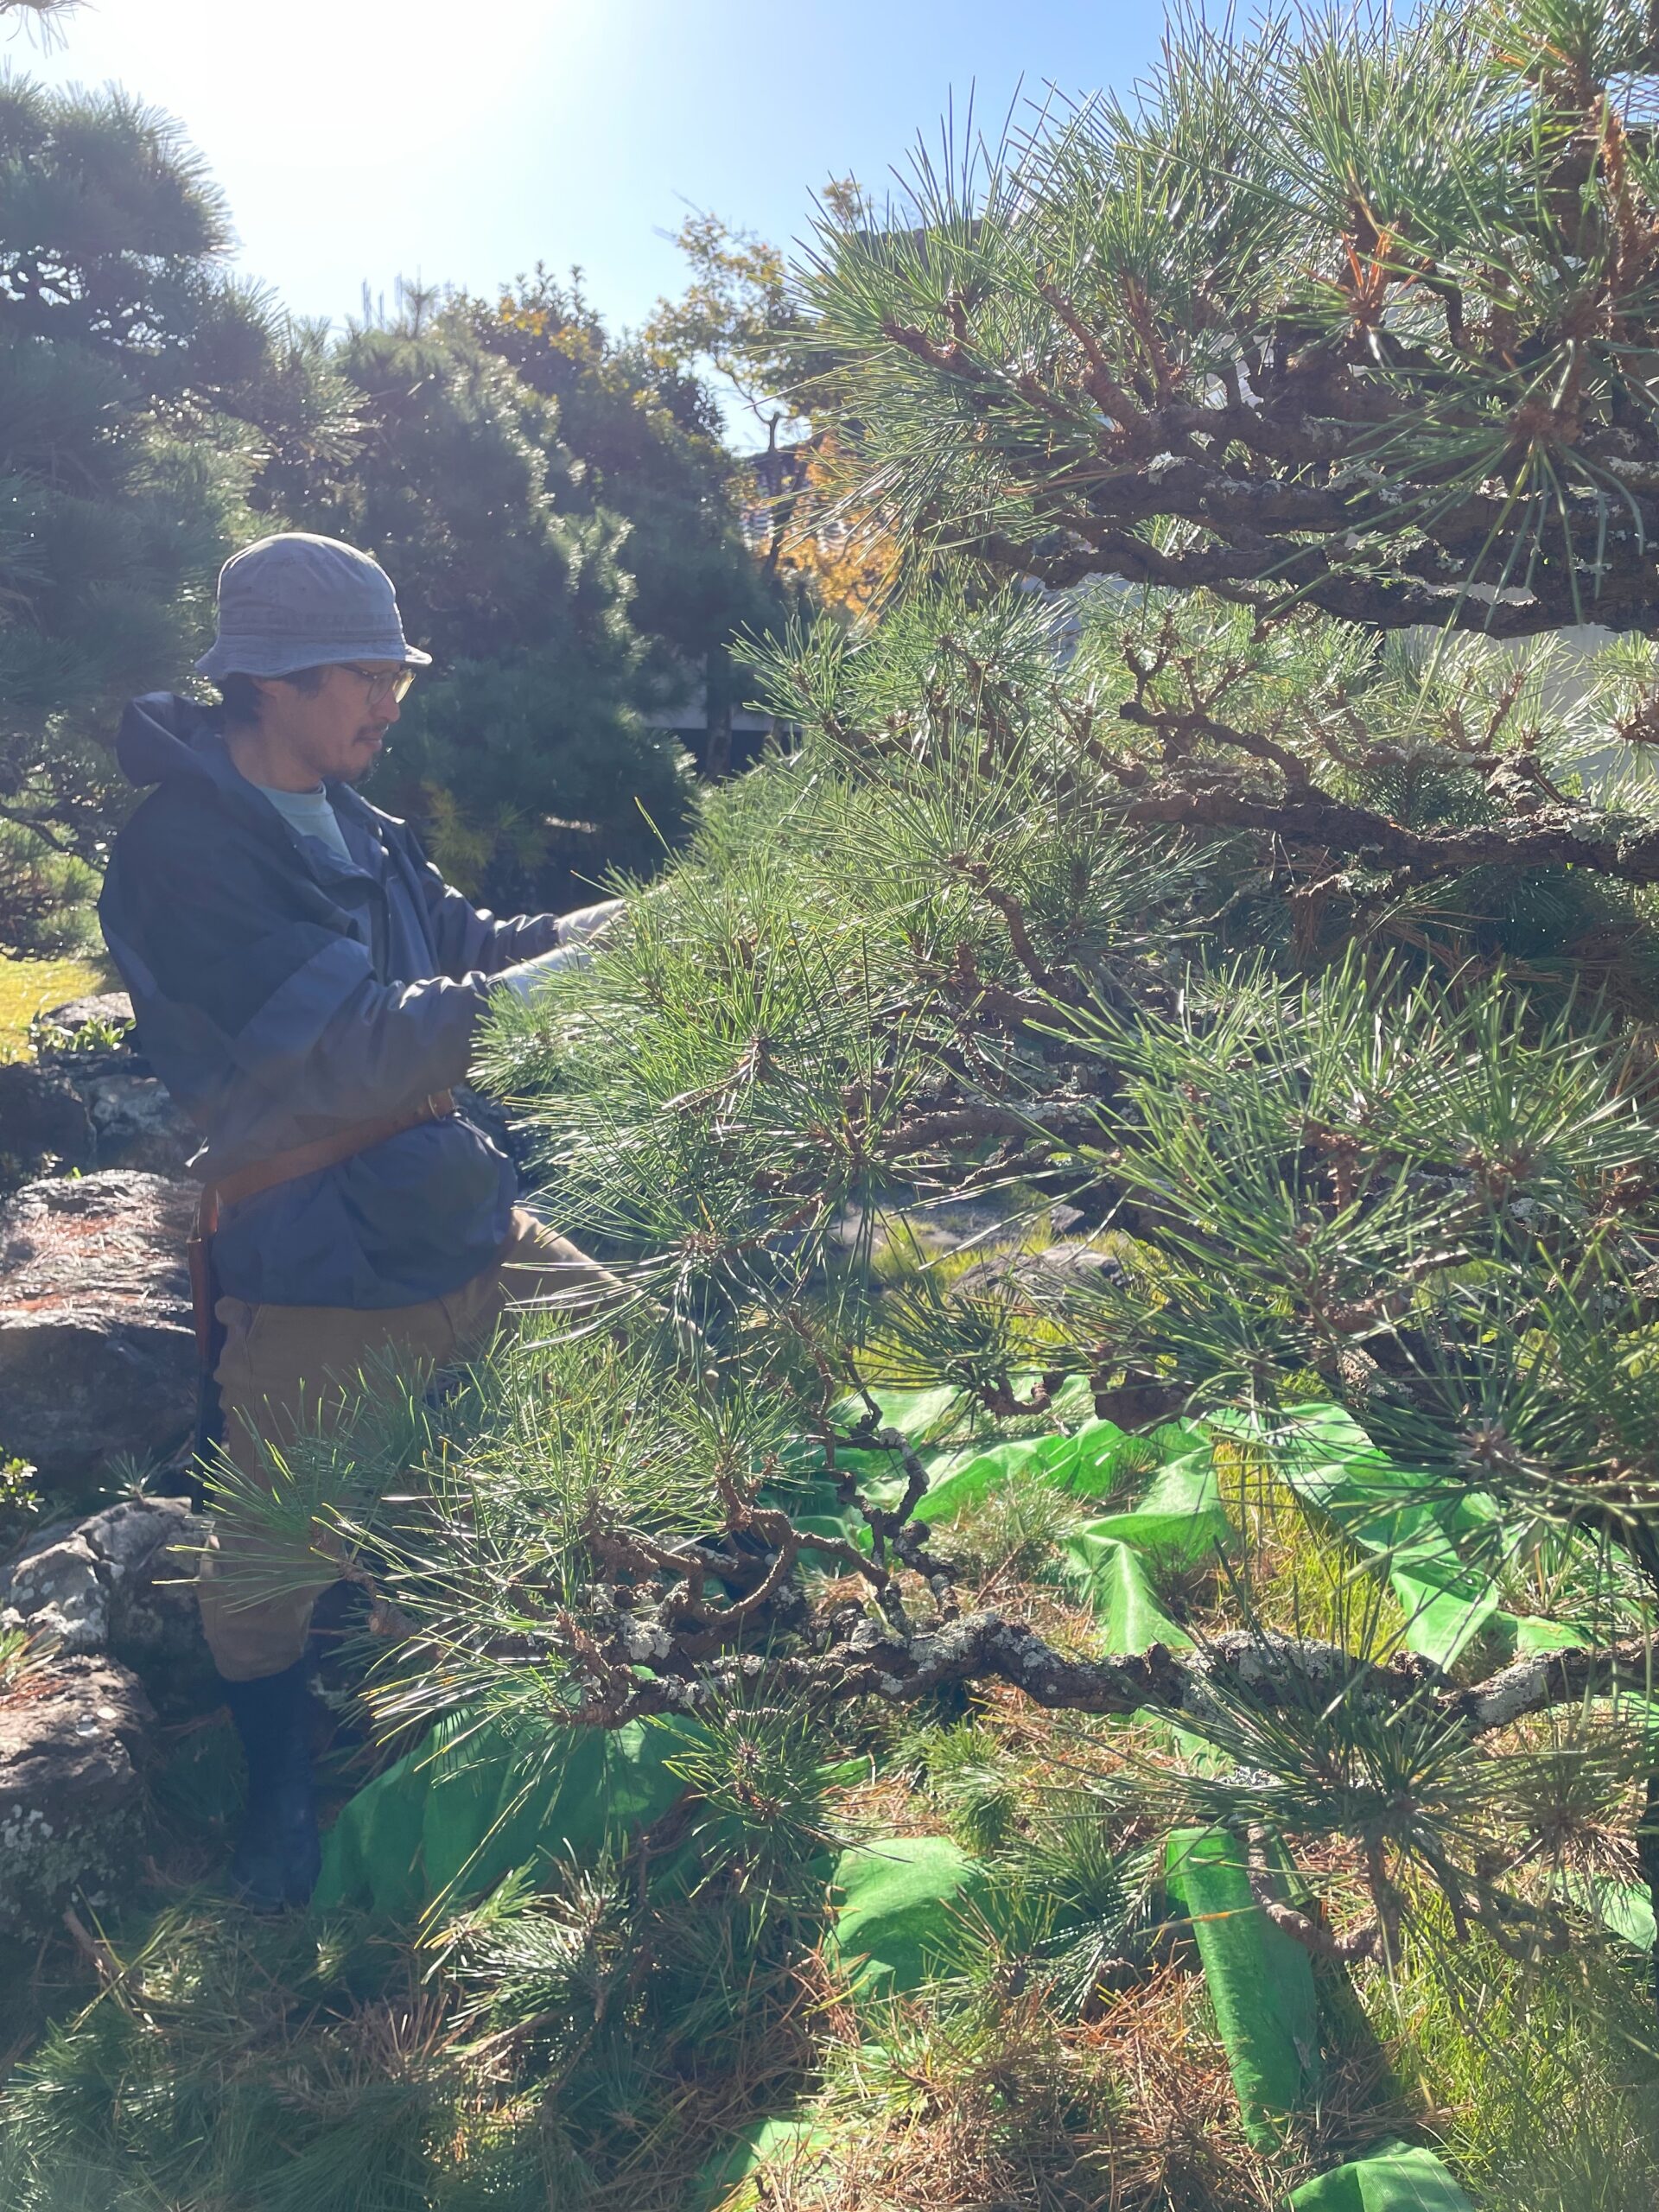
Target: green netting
[[451, 1819], [1392, 2179], [1261, 1982], [907, 1906]]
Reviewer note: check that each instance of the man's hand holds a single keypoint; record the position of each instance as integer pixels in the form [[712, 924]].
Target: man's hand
[[578, 934], [588, 922]]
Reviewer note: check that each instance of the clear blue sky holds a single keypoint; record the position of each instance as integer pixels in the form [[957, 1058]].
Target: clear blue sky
[[359, 139]]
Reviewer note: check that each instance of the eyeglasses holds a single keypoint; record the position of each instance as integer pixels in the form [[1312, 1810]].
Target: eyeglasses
[[383, 685]]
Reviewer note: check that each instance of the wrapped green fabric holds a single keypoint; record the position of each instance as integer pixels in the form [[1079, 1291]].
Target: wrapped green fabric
[[906, 1904], [1393, 2179], [450, 1819], [971, 1482], [1089, 1463], [1114, 1580], [1180, 1521], [772, 2149], [1405, 1517], [1261, 1982], [1624, 1908], [1181, 1518]]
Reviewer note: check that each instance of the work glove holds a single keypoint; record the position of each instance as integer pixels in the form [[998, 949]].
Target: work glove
[[574, 949], [523, 979], [586, 923]]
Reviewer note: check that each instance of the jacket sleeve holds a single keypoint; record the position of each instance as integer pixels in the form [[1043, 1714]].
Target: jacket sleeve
[[335, 1044], [469, 939]]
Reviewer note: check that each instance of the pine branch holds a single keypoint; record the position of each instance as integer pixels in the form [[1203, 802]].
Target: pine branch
[[1390, 403], [1307, 818], [863, 1658]]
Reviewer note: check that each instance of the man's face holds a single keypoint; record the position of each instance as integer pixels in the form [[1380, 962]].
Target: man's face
[[338, 729]]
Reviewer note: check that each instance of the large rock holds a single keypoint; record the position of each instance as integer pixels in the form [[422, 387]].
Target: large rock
[[131, 1120], [104, 1009], [98, 1353], [120, 1583], [43, 1119], [136, 1123], [1044, 1276], [73, 1734]]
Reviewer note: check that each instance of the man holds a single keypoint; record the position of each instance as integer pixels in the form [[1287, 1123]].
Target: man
[[308, 988]]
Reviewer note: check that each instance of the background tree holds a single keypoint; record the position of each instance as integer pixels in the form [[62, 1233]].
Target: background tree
[[157, 413], [736, 313], [125, 486], [523, 754], [141, 393], [650, 440], [739, 316]]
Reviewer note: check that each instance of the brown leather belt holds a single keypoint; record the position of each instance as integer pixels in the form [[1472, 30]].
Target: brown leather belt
[[284, 1167]]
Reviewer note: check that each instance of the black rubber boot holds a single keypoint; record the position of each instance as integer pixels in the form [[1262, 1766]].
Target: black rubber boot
[[278, 1856]]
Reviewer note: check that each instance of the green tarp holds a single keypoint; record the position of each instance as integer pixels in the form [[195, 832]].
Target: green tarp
[[1624, 1908], [906, 1906], [1260, 1981], [1393, 2179], [1091, 1461], [1115, 1560], [1406, 1519], [451, 1819], [1179, 1521], [797, 2150]]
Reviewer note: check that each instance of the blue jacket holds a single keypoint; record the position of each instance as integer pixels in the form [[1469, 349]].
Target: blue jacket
[[280, 994]]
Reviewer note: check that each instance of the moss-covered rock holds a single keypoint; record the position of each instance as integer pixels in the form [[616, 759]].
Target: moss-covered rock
[[73, 1736]]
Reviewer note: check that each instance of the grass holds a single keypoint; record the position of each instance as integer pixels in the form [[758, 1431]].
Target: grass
[[29, 987], [1543, 2082]]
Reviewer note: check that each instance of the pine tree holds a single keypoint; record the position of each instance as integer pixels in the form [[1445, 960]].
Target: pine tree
[[1355, 311], [143, 392], [1390, 1174], [124, 486], [1310, 963], [648, 438]]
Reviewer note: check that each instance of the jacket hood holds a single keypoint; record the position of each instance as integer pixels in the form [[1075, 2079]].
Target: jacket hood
[[162, 735]]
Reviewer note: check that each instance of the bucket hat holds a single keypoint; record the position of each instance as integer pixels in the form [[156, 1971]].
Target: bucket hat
[[299, 602]]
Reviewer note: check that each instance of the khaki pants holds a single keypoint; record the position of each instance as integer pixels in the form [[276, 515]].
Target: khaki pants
[[285, 1367]]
